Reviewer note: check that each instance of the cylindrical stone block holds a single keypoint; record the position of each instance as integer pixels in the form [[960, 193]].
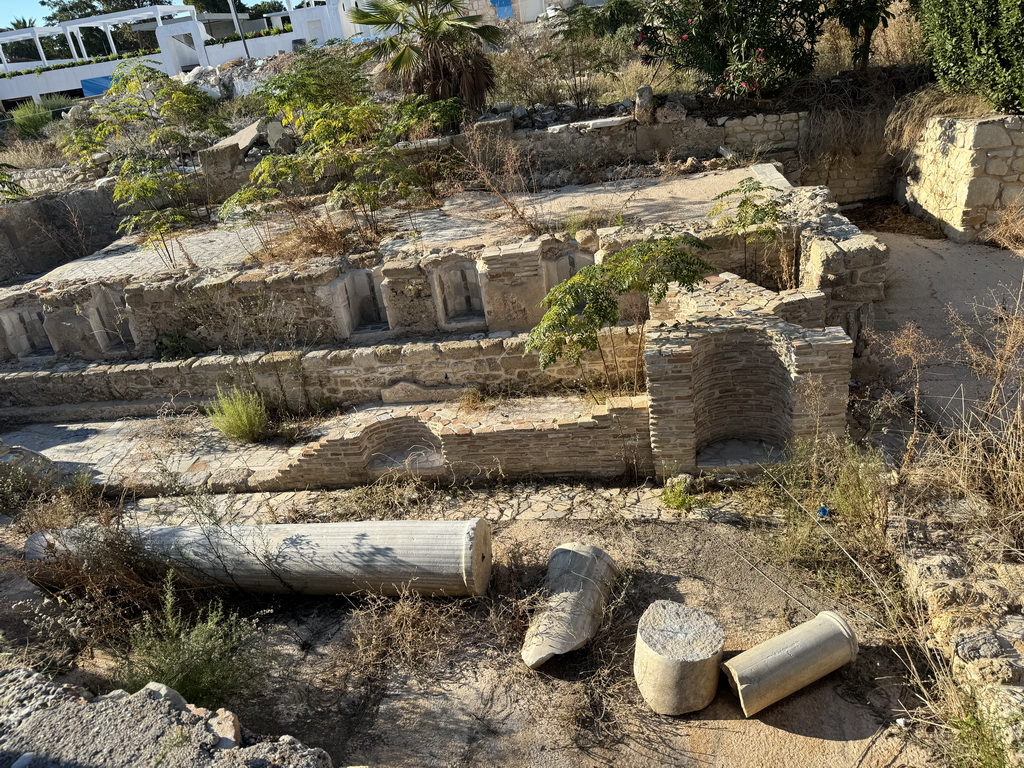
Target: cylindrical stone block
[[786, 663], [450, 558], [675, 663]]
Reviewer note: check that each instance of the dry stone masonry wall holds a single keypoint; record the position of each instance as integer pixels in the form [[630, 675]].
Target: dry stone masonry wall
[[962, 173]]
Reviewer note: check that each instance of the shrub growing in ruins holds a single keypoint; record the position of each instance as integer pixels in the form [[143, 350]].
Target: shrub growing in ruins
[[239, 413], [739, 47], [578, 308], [975, 47], [432, 45], [206, 660]]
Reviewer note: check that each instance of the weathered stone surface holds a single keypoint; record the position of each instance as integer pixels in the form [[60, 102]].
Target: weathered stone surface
[[58, 727], [676, 657], [580, 578], [38, 469]]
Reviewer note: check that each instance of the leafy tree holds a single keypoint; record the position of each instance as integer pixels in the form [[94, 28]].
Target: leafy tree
[[604, 20], [975, 46], [259, 10], [861, 18], [433, 46], [318, 79], [740, 47], [578, 308]]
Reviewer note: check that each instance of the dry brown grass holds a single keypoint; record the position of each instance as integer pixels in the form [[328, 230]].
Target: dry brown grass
[[908, 119], [496, 164], [32, 154], [901, 42], [314, 236], [1009, 232]]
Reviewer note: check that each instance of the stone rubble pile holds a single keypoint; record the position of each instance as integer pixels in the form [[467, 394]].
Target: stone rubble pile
[[43, 725]]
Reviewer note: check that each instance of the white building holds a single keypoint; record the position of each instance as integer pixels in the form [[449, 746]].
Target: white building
[[184, 38]]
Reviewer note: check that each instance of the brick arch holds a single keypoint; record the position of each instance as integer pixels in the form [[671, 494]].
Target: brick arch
[[743, 387], [400, 443]]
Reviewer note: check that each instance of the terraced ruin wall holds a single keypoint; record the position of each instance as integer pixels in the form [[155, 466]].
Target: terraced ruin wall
[[963, 173], [488, 290], [413, 372], [864, 173]]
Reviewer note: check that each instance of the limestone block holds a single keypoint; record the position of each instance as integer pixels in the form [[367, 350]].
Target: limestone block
[[981, 191], [675, 663], [643, 111], [39, 470], [579, 580], [997, 166], [499, 124], [991, 135]]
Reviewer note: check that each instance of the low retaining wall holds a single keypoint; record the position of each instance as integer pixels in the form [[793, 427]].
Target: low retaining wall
[[610, 442], [963, 172], [41, 233], [865, 173], [320, 379]]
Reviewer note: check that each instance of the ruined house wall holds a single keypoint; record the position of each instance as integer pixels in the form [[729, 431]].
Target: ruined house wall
[[742, 378], [41, 233], [610, 442], [316, 379], [963, 172]]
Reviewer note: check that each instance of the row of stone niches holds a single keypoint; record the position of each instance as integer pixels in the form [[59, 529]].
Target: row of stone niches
[[102, 326]]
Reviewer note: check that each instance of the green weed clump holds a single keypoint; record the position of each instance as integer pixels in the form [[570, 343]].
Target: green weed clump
[[30, 118], [207, 660], [240, 414]]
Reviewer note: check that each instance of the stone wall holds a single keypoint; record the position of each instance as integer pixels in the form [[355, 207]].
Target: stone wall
[[742, 378], [414, 372], [851, 176], [611, 441], [492, 289], [964, 171], [39, 181], [784, 138], [41, 233]]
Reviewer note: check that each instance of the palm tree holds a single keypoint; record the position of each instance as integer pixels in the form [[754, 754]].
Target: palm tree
[[23, 50], [432, 45]]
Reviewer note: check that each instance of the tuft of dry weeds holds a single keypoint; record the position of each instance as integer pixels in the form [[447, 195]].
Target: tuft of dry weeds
[[908, 119], [1009, 232], [496, 164], [32, 154]]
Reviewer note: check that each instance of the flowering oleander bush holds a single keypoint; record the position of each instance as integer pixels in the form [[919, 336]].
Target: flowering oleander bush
[[739, 47]]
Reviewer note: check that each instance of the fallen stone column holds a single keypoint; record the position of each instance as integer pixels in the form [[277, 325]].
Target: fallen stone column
[[783, 665], [451, 558], [580, 578], [675, 663]]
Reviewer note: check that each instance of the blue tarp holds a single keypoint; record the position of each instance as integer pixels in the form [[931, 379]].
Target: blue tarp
[[95, 86], [503, 8]]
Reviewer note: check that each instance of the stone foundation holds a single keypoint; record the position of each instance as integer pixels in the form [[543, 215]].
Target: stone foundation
[[412, 372], [962, 173], [484, 289]]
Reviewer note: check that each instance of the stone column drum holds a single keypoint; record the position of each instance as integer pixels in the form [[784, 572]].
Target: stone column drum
[[783, 665], [678, 650]]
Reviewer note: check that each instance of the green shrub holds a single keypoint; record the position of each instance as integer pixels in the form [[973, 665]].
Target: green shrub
[[30, 118], [207, 660], [178, 345], [240, 414], [739, 47], [975, 47]]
